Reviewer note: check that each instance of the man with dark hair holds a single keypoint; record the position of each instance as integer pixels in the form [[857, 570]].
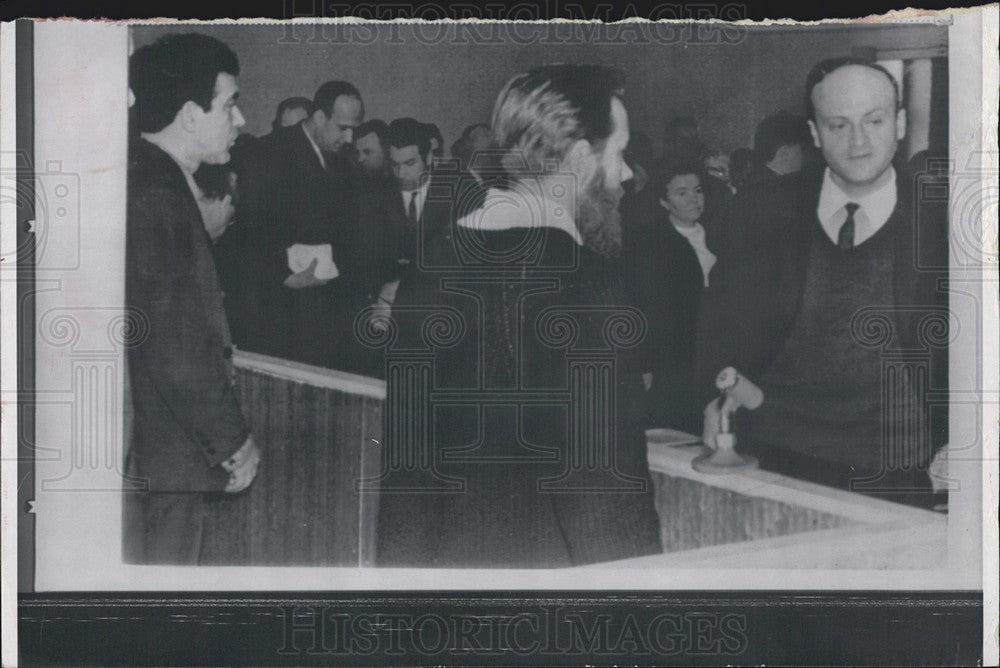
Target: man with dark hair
[[779, 145], [370, 148], [499, 467], [296, 204], [825, 262], [291, 111], [411, 221], [189, 434], [410, 156]]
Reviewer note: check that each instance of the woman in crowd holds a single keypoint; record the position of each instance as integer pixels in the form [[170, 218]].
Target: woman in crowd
[[668, 257]]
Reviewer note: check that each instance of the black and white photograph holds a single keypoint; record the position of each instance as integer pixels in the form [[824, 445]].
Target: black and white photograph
[[332, 306]]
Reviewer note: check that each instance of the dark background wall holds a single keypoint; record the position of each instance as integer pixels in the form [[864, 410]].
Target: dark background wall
[[729, 79]]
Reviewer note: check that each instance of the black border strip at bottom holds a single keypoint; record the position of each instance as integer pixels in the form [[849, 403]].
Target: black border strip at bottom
[[529, 628]]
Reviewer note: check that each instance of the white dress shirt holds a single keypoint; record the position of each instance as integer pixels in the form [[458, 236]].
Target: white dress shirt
[[319, 153], [421, 194], [874, 210]]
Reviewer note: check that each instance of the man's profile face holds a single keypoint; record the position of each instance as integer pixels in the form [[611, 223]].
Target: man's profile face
[[857, 126], [371, 155], [335, 131], [216, 129], [408, 166], [612, 158], [292, 116]]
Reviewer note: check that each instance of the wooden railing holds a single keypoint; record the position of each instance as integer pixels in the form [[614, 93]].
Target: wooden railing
[[758, 519], [319, 432]]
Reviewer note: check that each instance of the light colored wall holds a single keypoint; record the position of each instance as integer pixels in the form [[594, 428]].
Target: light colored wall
[[446, 78]]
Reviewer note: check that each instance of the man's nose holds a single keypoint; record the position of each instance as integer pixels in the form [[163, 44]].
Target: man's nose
[[349, 135], [238, 120], [626, 172], [858, 136]]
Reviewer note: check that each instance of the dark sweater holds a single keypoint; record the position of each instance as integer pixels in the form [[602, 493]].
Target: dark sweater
[[824, 389]]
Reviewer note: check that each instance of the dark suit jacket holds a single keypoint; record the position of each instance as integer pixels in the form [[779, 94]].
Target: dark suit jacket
[[440, 212], [287, 197], [754, 298], [187, 419], [501, 518]]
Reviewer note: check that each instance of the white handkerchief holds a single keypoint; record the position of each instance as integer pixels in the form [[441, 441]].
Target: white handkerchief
[[301, 255]]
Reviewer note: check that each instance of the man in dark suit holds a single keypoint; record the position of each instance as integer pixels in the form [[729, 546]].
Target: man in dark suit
[[413, 218], [189, 435], [295, 199], [418, 217], [833, 278]]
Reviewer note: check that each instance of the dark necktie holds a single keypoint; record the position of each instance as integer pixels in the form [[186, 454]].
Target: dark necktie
[[411, 209], [845, 238]]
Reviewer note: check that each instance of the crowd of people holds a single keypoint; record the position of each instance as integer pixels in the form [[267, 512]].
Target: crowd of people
[[761, 259], [362, 190]]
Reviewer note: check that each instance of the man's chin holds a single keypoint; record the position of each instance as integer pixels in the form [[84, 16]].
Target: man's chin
[[861, 175], [218, 158]]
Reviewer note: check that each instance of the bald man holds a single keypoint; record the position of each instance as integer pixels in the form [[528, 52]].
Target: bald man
[[825, 258]]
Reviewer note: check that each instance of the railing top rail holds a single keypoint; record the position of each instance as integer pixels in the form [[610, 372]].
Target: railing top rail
[[311, 375]]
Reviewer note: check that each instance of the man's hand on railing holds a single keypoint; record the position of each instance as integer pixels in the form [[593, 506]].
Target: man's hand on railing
[[242, 466]]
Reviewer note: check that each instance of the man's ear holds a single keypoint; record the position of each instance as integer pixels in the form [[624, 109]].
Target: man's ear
[[189, 114], [900, 124], [814, 132], [580, 160]]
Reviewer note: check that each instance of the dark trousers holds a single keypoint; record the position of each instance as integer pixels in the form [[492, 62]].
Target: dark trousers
[[162, 527]]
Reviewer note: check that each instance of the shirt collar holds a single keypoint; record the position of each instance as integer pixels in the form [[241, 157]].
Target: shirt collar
[[696, 231], [421, 191], [876, 208], [319, 153], [502, 210]]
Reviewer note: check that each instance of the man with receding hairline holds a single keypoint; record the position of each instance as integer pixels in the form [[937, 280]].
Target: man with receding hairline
[[298, 205], [821, 255]]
